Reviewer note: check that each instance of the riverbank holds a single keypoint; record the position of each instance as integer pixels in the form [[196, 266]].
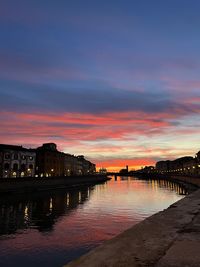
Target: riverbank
[[170, 238], [32, 184], [190, 182]]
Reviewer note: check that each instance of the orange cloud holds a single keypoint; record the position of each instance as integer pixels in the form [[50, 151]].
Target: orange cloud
[[86, 134]]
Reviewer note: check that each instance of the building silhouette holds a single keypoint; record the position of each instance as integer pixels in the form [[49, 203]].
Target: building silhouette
[[16, 161], [44, 161]]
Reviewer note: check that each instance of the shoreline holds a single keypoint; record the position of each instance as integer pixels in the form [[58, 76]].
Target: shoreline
[[169, 238], [31, 184], [189, 186]]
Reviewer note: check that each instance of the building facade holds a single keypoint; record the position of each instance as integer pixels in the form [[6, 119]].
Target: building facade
[[49, 161], [184, 166], [44, 161], [84, 166], [70, 165], [163, 165], [16, 161]]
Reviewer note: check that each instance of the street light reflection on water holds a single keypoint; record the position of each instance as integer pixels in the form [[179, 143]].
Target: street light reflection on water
[[52, 228]]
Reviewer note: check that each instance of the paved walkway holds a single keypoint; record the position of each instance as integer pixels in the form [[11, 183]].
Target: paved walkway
[[170, 238]]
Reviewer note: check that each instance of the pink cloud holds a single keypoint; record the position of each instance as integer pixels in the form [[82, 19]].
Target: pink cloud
[[71, 130]]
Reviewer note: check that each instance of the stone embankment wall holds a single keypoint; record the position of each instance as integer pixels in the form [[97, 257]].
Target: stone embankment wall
[[170, 238], [23, 185], [187, 179], [194, 180]]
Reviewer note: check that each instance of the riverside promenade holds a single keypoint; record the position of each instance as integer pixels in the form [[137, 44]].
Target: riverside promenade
[[170, 238]]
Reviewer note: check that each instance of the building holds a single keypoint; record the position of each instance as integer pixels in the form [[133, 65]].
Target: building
[[45, 161], [78, 165], [163, 166], [49, 161], [102, 170], [16, 161], [92, 168], [70, 164], [84, 166], [198, 157], [190, 167], [185, 166], [177, 165], [148, 169]]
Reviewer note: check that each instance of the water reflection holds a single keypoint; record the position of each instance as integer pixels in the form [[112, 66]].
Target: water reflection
[[172, 186], [52, 228], [40, 211], [180, 189]]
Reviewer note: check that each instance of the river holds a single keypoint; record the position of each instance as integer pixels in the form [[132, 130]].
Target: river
[[53, 228]]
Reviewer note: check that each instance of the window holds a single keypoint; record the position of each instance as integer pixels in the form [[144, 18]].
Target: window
[[6, 166], [23, 157], [31, 166], [15, 167], [31, 158], [7, 156], [15, 156], [23, 167]]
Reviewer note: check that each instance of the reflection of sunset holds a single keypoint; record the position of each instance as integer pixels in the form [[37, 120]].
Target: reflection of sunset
[[59, 223]]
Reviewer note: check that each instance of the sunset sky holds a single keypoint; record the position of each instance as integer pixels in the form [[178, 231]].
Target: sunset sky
[[115, 80]]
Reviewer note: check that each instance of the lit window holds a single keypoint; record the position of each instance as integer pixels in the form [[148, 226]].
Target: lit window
[[31, 166]]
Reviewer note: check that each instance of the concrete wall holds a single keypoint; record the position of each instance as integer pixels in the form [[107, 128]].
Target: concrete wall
[[38, 184]]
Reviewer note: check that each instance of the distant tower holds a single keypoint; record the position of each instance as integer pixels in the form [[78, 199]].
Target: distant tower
[[127, 168]]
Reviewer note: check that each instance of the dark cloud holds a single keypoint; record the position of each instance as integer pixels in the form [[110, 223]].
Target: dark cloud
[[20, 97]]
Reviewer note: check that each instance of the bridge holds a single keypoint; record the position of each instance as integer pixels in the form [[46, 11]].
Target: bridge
[[117, 174]]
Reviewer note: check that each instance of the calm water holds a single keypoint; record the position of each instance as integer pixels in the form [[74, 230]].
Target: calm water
[[50, 229]]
